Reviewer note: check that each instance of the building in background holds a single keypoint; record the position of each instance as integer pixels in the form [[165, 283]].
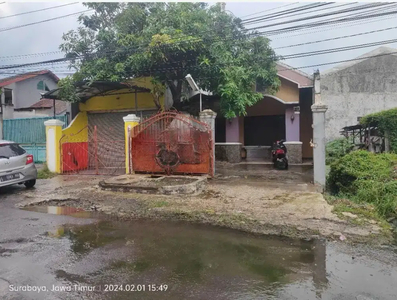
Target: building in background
[[360, 87], [43, 108], [24, 90]]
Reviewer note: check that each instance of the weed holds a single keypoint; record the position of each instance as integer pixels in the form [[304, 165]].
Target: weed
[[45, 173], [160, 203]]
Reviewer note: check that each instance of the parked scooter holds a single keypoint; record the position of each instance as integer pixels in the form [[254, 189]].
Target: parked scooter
[[279, 155]]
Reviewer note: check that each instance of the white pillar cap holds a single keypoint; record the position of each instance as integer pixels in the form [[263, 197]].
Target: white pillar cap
[[54, 122], [131, 118]]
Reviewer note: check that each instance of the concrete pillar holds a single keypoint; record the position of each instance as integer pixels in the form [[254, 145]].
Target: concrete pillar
[[53, 130], [130, 121], [1, 126], [233, 130], [208, 116], [318, 109]]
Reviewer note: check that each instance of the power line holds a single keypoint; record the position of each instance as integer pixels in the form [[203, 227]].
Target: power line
[[14, 57], [296, 55], [321, 23], [34, 11], [52, 61], [330, 27], [299, 13], [47, 20], [333, 50], [336, 38], [267, 10], [288, 11], [280, 70], [352, 9]]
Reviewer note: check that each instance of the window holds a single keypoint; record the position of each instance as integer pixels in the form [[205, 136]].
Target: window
[[42, 86], [10, 150], [7, 96]]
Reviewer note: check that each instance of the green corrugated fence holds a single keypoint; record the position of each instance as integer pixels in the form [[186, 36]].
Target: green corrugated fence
[[30, 133]]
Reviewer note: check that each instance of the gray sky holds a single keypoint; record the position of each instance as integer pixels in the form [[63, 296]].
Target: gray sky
[[46, 37]]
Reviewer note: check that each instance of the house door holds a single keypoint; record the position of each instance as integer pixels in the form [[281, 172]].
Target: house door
[[263, 130]]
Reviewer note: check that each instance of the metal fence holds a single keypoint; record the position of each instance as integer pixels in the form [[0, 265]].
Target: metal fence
[[172, 142], [30, 134]]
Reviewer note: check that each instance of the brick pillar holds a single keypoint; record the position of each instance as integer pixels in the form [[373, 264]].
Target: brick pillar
[[208, 116], [130, 121], [53, 129]]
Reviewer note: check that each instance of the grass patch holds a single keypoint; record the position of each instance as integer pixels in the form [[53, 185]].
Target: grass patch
[[161, 203], [366, 178], [365, 212], [45, 173]]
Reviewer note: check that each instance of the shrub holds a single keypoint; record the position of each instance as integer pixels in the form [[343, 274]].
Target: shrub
[[337, 148], [365, 177]]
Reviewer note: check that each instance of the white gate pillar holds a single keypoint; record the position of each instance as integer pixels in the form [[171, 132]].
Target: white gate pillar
[[208, 116], [318, 109], [53, 130], [130, 121]]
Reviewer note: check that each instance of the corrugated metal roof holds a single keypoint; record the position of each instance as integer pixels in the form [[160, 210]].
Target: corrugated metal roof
[[86, 90], [60, 106]]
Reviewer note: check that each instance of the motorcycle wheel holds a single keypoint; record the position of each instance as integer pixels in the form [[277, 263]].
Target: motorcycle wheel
[[281, 165]]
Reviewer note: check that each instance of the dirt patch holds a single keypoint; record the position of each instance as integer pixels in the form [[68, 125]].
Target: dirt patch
[[251, 205]]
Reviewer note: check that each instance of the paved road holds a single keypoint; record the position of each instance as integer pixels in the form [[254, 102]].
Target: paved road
[[43, 251], [29, 255]]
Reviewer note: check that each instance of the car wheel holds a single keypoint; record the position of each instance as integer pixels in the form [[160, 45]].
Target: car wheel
[[29, 184]]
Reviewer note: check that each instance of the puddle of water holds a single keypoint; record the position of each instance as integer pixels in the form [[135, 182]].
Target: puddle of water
[[63, 210], [201, 262]]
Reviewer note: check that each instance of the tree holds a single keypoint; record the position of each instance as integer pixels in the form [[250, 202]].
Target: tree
[[167, 41]]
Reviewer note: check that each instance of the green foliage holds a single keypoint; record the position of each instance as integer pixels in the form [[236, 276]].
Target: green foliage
[[167, 41], [365, 177], [45, 173], [67, 90], [337, 148], [386, 121]]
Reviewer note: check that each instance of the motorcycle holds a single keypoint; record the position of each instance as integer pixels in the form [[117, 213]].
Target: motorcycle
[[279, 155]]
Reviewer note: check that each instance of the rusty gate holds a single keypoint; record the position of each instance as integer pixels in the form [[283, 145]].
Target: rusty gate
[[94, 150], [172, 143]]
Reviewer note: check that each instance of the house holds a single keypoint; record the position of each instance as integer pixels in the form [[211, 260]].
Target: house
[[24, 90], [286, 115], [365, 85]]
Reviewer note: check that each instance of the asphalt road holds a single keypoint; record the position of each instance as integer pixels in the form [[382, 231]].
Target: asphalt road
[[47, 253], [29, 255]]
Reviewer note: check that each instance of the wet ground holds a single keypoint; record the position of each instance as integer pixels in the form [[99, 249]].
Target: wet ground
[[90, 256]]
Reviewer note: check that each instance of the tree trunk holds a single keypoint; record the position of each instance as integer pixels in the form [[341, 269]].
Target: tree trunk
[[176, 91]]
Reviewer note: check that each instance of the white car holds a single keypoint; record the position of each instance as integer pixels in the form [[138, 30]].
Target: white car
[[16, 166]]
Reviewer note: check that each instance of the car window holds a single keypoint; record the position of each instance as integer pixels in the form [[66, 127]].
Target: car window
[[10, 150]]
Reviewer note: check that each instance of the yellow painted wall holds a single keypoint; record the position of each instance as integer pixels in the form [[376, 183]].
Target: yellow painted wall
[[288, 91], [77, 131], [118, 101]]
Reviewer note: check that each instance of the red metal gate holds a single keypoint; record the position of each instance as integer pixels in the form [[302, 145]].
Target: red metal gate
[[93, 151], [172, 142]]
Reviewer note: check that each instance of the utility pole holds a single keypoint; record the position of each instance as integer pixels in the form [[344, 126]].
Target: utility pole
[[223, 6]]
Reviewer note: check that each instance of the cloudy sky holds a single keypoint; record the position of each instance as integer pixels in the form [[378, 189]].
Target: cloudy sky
[[46, 36]]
